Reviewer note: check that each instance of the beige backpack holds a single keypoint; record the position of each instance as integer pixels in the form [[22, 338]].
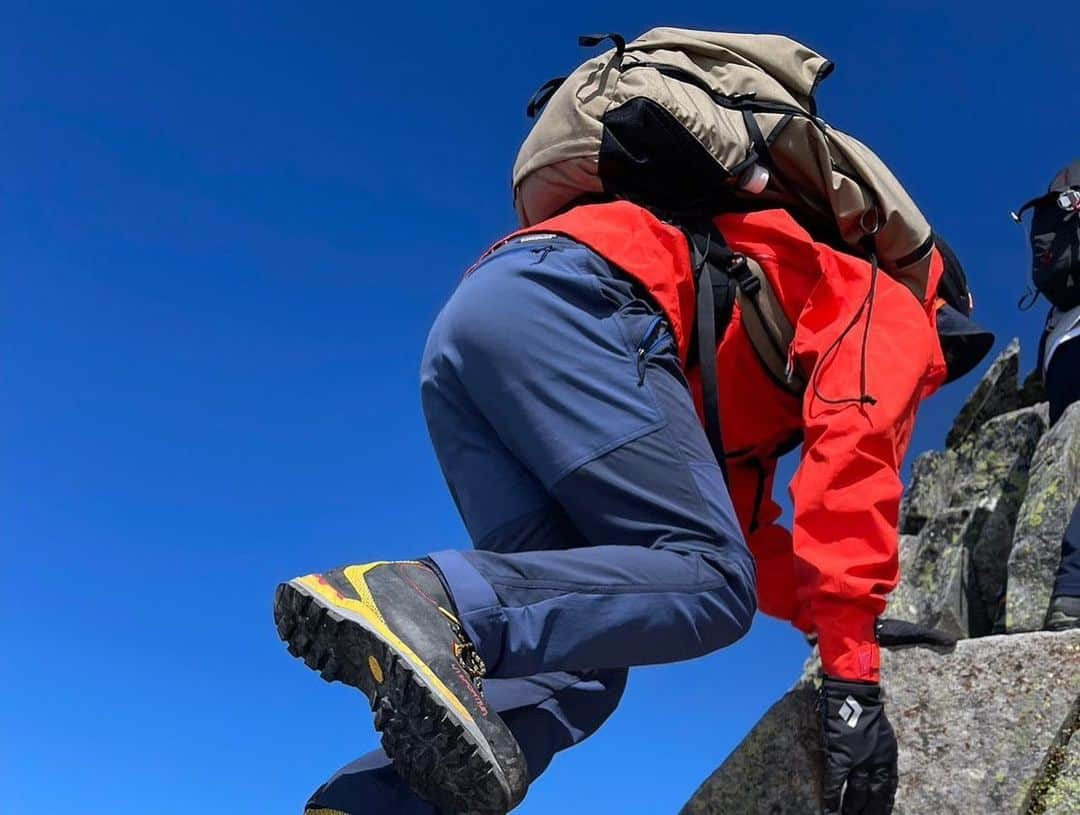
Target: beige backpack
[[696, 122]]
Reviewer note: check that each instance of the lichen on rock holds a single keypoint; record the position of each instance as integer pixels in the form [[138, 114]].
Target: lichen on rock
[[996, 393], [1054, 491], [964, 504]]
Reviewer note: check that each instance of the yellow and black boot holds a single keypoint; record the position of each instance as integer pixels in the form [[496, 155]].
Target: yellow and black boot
[[389, 630]]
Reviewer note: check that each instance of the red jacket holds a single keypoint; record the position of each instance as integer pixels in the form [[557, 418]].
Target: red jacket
[[831, 573]]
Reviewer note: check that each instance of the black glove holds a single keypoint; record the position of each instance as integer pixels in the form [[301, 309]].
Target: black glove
[[860, 749]]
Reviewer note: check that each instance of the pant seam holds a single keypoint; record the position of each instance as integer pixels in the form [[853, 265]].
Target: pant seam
[[664, 424], [625, 439]]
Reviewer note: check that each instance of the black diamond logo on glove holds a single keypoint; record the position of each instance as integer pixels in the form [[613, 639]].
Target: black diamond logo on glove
[[850, 712]]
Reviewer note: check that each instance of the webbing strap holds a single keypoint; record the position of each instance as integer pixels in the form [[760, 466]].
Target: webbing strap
[[706, 342], [769, 329], [763, 318], [761, 147], [767, 326]]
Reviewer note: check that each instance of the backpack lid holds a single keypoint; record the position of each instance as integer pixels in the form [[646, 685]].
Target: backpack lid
[[796, 67]]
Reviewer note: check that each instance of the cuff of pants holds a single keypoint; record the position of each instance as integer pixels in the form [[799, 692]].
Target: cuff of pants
[[476, 604]]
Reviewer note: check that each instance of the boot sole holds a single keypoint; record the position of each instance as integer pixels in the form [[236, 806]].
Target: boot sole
[[1059, 622], [433, 741]]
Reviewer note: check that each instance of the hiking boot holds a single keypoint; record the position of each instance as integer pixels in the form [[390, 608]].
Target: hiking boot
[[388, 630], [1063, 614]]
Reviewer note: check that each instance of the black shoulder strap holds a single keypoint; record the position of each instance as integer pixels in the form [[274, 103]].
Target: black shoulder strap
[[711, 257]]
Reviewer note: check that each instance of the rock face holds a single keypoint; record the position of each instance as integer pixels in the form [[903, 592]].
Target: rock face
[[983, 728], [960, 512], [1061, 795], [1053, 491], [997, 392], [986, 727]]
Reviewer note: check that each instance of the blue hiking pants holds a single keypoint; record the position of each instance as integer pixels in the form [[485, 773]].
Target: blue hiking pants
[[604, 535], [1063, 388]]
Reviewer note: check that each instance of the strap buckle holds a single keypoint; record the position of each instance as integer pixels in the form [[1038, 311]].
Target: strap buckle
[[746, 280]]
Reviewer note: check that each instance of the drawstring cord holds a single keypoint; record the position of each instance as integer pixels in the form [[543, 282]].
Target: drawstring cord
[[867, 305]]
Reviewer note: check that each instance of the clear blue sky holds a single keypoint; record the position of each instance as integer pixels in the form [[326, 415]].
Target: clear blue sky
[[224, 231]]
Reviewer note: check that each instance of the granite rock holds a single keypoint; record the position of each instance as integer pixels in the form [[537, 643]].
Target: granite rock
[[964, 504], [1053, 491], [996, 393], [985, 727]]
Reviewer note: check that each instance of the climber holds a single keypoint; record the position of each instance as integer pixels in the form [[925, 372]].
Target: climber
[[1055, 242], [563, 398]]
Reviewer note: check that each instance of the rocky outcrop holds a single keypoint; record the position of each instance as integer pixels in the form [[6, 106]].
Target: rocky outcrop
[[959, 516], [928, 494], [987, 726], [1053, 491], [998, 392], [983, 728], [1060, 794]]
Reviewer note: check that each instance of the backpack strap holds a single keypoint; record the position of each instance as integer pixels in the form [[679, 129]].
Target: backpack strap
[[710, 256], [771, 332], [734, 277]]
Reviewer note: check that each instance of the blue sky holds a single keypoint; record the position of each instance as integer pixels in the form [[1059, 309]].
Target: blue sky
[[224, 232]]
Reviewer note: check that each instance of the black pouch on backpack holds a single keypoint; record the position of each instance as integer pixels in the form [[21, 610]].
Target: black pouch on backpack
[[1055, 239]]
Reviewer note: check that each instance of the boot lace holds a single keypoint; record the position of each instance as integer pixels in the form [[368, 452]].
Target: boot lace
[[465, 652]]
